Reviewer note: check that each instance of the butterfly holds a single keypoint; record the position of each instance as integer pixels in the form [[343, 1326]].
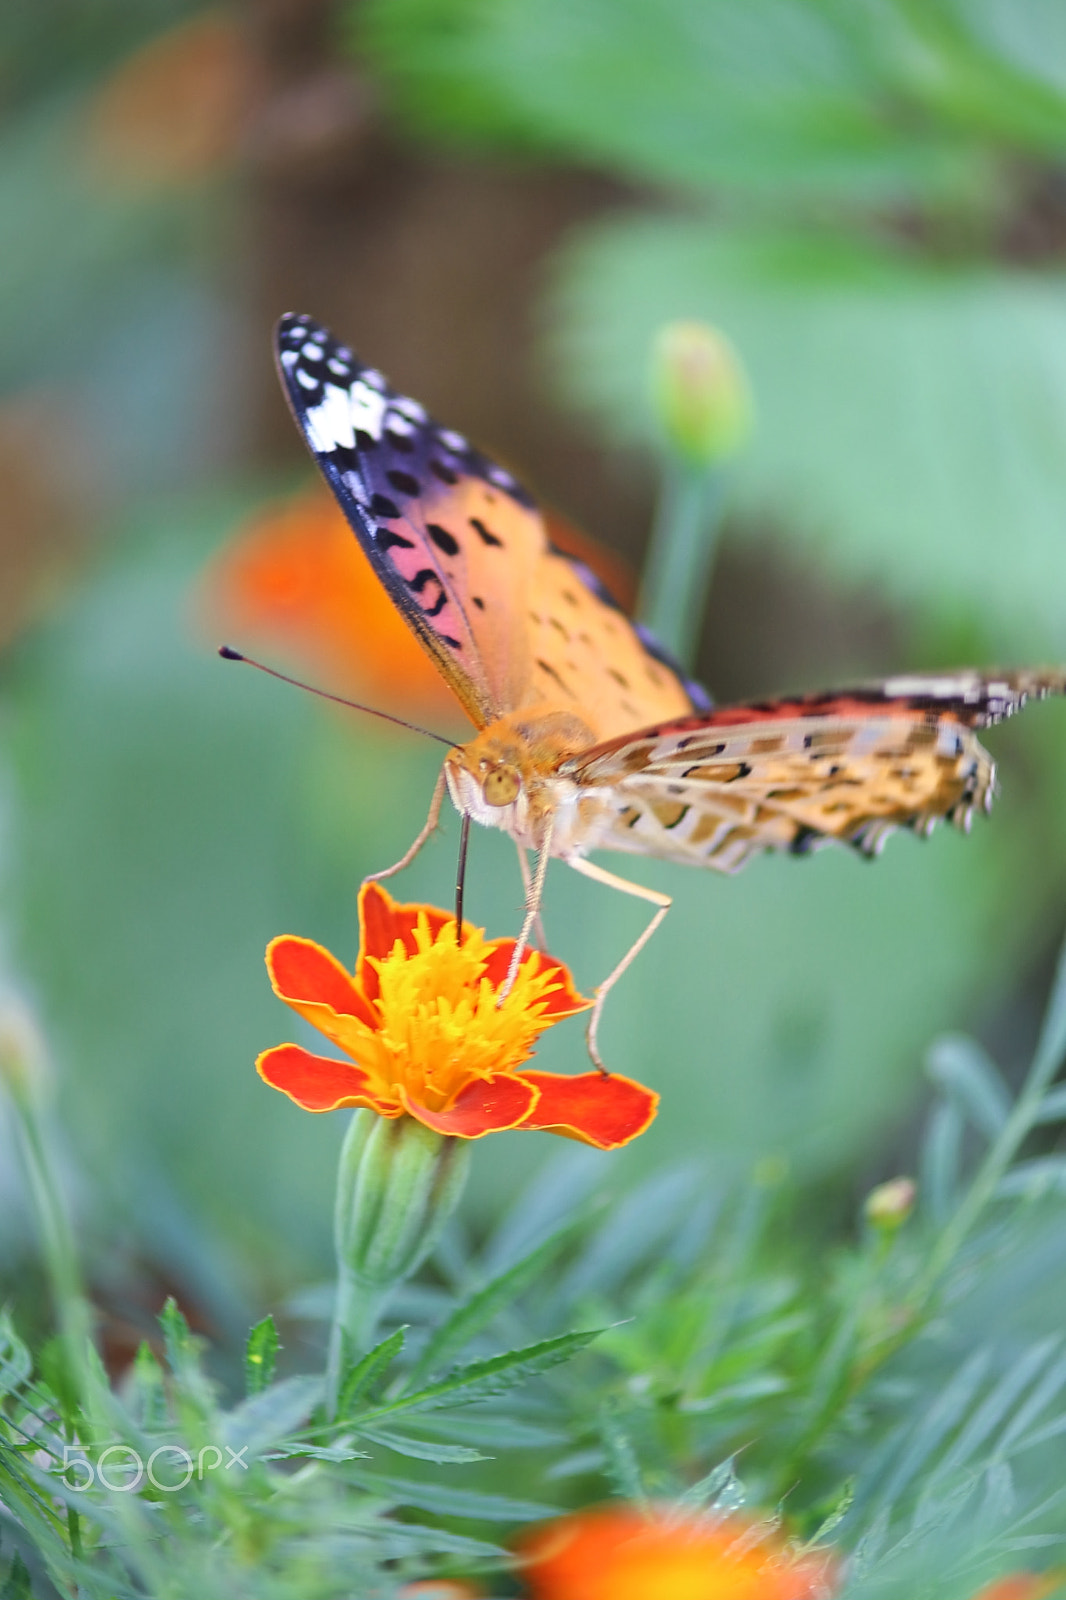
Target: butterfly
[[589, 736]]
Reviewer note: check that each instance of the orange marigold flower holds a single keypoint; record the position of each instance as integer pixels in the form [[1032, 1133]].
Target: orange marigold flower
[[622, 1553], [426, 1035]]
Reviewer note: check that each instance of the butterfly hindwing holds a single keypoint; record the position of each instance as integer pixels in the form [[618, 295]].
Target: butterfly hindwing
[[714, 790]]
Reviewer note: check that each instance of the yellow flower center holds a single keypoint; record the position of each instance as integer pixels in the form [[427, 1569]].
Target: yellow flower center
[[439, 1023]]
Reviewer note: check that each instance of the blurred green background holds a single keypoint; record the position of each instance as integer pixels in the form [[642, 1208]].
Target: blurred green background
[[500, 205]]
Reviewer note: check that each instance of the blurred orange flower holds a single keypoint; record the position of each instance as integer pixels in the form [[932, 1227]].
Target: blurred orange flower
[[175, 109], [427, 1035], [294, 580], [1023, 1586], [621, 1553]]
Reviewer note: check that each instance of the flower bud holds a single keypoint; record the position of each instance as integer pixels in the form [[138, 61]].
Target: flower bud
[[890, 1204], [701, 393], [23, 1062], [397, 1184]]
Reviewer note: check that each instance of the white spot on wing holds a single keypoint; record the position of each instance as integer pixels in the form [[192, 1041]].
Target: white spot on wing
[[330, 423], [371, 376], [367, 408], [399, 425], [966, 687], [454, 441]]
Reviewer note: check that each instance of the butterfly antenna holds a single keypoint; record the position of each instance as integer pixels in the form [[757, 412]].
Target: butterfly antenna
[[460, 876], [229, 654]]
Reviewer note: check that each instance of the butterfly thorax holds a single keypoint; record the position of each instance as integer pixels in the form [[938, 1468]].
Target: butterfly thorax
[[507, 777]]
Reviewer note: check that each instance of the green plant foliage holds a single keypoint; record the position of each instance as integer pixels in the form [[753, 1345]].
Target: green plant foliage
[[910, 417], [878, 1391]]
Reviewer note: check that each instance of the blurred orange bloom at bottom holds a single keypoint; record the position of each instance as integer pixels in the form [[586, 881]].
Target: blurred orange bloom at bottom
[[1024, 1586], [619, 1553]]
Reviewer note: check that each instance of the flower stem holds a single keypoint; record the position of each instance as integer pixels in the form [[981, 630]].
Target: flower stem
[[684, 539], [398, 1182], [1047, 1058]]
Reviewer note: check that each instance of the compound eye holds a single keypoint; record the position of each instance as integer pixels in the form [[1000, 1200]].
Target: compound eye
[[502, 786]]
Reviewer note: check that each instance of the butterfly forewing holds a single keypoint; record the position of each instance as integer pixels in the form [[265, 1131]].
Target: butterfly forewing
[[463, 552], [453, 538], [786, 775]]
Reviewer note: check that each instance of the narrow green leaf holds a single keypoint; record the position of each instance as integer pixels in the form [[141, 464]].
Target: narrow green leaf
[[366, 1372], [18, 1585], [444, 1501], [941, 1161], [999, 1404], [968, 1075], [423, 1449], [182, 1348], [622, 1467], [940, 1419], [16, 1363], [314, 1452], [494, 1375], [494, 1431], [1053, 1105], [260, 1356], [721, 1489], [483, 1307], [1030, 1180]]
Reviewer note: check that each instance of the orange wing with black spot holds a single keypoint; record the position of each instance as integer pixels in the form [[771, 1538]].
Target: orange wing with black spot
[[462, 550]]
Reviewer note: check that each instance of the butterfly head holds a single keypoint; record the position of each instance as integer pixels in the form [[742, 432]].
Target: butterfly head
[[503, 777]]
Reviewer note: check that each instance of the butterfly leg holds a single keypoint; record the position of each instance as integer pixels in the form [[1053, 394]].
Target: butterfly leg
[[534, 896], [600, 875], [430, 824], [527, 885]]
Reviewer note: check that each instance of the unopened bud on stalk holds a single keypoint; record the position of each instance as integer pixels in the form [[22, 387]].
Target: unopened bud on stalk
[[890, 1204], [23, 1061], [397, 1185], [701, 393]]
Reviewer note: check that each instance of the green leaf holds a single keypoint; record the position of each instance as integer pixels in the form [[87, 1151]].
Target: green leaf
[[621, 1465], [494, 1375], [182, 1348], [18, 1584], [482, 1308], [942, 1161], [366, 1373], [1053, 1105], [444, 1501], [260, 1356], [962, 1070], [16, 1363], [422, 1449], [1031, 1180], [313, 1452], [721, 1489], [265, 1420]]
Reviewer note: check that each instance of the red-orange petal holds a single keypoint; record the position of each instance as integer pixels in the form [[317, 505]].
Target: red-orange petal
[[605, 1112], [381, 922], [303, 973], [486, 1105], [318, 1083], [565, 1001]]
